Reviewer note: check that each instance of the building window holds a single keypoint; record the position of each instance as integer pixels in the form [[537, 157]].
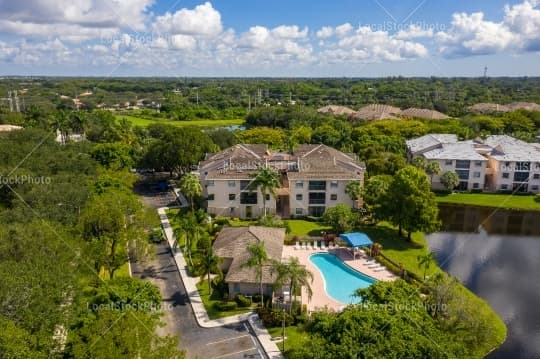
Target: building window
[[210, 183], [506, 175], [476, 185], [521, 176], [299, 197], [334, 184], [299, 184], [448, 163], [476, 174], [463, 163], [232, 183], [534, 188], [317, 198], [317, 185], [523, 166], [248, 198], [267, 197], [463, 174], [504, 186], [478, 163], [536, 176], [333, 197], [210, 196], [299, 211], [244, 185], [232, 196], [316, 211]]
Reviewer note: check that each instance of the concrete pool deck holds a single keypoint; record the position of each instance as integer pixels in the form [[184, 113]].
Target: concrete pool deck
[[320, 299]]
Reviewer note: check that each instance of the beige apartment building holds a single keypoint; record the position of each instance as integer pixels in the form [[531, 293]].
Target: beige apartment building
[[498, 163], [312, 177]]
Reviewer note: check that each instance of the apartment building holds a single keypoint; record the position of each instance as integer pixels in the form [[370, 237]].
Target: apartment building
[[498, 163], [312, 177]]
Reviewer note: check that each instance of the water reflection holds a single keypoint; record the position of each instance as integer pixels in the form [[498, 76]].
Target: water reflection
[[458, 218], [504, 271]]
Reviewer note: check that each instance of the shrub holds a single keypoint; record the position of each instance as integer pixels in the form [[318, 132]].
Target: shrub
[[225, 306], [242, 301], [274, 317]]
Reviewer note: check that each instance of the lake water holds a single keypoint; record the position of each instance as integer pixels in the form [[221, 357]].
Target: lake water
[[496, 254]]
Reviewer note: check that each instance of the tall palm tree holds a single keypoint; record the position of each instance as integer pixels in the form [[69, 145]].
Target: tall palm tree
[[190, 229], [190, 187], [425, 261], [433, 168], [295, 275], [267, 180], [209, 263], [257, 259]]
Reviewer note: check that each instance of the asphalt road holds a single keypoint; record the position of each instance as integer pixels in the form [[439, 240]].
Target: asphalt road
[[234, 341]]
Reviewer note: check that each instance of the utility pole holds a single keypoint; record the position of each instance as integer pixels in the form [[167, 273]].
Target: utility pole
[[10, 100]]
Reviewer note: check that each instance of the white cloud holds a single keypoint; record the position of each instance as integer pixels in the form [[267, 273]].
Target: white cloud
[[471, 34], [325, 32], [183, 42], [343, 30], [73, 20], [290, 32], [414, 32], [339, 31], [203, 20], [365, 45]]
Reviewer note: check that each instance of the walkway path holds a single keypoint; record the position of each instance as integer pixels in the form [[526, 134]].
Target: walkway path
[[195, 300]]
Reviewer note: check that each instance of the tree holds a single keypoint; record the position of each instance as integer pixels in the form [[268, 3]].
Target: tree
[[425, 261], [190, 186], [113, 155], [410, 203], [375, 196], [207, 264], [354, 190], [267, 180], [257, 259], [295, 275], [340, 217], [274, 137], [432, 168], [450, 180], [420, 162], [190, 229]]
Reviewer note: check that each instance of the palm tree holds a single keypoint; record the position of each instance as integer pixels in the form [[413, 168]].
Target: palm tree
[[257, 259], [295, 275], [267, 180], [424, 261], [190, 229], [433, 168], [209, 263], [419, 162], [190, 187], [353, 190]]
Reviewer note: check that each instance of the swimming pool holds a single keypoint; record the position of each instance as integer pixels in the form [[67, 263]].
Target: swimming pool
[[340, 280]]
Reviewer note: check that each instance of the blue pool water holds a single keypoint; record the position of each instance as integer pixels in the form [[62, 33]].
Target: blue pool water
[[341, 281]]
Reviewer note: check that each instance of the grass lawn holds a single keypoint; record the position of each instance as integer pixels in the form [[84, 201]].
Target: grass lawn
[[123, 271], [507, 201], [210, 303], [303, 228], [296, 338], [143, 122]]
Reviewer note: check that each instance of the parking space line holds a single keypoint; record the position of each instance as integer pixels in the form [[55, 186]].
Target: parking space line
[[254, 342], [238, 352], [228, 339]]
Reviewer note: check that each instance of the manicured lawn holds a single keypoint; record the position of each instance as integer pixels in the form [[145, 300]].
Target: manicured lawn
[[507, 201], [123, 271], [235, 222], [210, 303], [143, 122], [303, 228], [296, 338]]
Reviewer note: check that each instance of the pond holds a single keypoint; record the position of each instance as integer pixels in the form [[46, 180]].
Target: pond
[[496, 254]]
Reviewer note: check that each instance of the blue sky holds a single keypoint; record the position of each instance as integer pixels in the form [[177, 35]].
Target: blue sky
[[348, 38]]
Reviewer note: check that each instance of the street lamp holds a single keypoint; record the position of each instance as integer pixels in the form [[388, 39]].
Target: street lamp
[[282, 301]]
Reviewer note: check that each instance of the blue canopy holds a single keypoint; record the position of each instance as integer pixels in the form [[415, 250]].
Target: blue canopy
[[356, 239]]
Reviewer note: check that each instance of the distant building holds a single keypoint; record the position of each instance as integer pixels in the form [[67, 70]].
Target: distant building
[[232, 246], [312, 177], [9, 128], [498, 163]]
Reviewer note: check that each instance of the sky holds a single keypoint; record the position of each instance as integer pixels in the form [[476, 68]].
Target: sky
[[278, 38]]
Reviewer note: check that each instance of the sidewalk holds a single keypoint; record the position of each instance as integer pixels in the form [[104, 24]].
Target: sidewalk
[[201, 315]]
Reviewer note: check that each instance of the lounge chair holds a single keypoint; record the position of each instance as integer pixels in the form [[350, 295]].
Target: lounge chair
[[306, 245], [379, 269], [315, 246], [323, 246], [297, 245]]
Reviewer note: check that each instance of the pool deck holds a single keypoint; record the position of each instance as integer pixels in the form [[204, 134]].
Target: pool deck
[[320, 299]]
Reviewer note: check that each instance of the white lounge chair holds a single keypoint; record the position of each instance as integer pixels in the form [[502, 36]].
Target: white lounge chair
[[323, 246], [297, 245], [306, 246], [315, 246]]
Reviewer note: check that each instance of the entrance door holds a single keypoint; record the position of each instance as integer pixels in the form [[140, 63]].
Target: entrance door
[[249, 211]]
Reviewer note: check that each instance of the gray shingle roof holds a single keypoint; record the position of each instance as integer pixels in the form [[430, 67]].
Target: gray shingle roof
[[455, 151], [232, 243], [430, 141]]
